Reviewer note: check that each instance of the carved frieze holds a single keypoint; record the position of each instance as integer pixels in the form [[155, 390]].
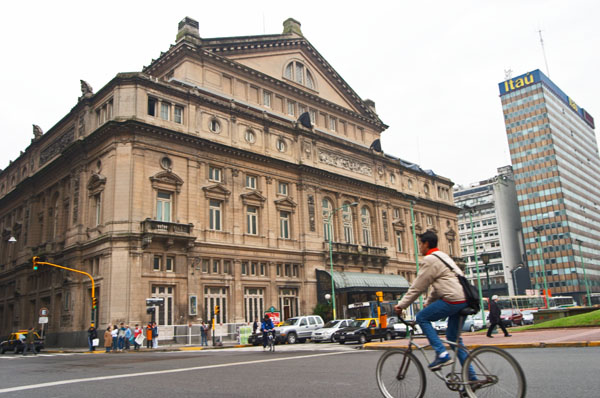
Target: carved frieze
[[311, 212], [343, 162], [57, 146]]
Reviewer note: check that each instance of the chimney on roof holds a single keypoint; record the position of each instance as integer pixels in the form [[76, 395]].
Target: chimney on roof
[[371, 105], [188, 29], [290, 26]]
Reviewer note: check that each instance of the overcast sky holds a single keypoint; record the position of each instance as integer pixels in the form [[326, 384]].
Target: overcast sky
[[432, 67]]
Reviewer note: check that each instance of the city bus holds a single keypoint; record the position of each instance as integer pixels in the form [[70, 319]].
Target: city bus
[[535, 302]]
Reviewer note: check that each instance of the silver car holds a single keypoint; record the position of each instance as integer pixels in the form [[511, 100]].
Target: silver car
[[298, 328], [326, 333]]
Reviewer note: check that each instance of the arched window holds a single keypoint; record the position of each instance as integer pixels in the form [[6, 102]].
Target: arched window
[[365, 221], [347, 221], [297, 72], [327, 212]]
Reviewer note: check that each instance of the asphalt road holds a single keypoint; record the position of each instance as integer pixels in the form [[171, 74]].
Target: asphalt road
[[306, 370]]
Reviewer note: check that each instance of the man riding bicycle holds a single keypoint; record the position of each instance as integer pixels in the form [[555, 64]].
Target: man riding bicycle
[[445, 298], [266, 327]]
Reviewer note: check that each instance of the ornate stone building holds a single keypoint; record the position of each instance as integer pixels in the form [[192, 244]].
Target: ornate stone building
[[198, 181]]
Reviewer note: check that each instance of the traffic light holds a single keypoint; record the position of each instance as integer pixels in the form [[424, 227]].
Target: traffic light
[[217, 309], [94, 302], [150, 310], [379, 296], [34, 260]]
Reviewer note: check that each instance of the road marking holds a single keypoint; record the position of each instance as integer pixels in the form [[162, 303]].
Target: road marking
[[158, 372]]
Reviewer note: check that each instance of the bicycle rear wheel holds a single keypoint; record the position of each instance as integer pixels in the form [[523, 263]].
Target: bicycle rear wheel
[[400, 374], [498, 374]]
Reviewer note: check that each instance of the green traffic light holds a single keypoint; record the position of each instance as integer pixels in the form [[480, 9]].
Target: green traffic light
[[35, 267]]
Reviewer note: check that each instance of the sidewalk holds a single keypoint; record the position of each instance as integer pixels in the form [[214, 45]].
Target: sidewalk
[[161, 348], [567, 337]]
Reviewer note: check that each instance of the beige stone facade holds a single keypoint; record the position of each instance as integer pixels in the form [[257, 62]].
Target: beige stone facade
[[194, 181]]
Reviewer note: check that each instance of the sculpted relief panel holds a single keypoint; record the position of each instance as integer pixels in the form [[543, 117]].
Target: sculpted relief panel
[[342, 162]]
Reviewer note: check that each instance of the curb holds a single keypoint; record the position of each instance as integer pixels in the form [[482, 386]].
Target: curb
[[141, 351], [380, 346]]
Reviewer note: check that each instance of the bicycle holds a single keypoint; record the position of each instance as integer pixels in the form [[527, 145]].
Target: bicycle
[[399, 372], [270, 340]]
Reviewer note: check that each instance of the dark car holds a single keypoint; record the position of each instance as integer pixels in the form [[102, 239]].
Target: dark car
[[364, 330], [16, 342], [256, 339]]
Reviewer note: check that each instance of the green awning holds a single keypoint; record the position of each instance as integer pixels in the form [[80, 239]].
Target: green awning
[[357, 281]]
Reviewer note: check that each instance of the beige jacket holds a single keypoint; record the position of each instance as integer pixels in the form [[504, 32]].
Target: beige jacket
[[435, 276]]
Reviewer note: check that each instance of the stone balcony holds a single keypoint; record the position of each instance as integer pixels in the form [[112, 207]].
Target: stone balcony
[[168, 232], [356, 254]]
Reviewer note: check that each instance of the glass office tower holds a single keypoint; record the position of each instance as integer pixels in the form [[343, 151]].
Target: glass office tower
[[556, 166]]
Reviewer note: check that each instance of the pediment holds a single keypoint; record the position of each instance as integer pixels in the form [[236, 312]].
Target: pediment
[[253, 198], [216, 191], [96, 181], [167, 177], [285, 204]]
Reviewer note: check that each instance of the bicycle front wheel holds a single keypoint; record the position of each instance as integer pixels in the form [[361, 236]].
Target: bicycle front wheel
[[498, 374], [400, 374]]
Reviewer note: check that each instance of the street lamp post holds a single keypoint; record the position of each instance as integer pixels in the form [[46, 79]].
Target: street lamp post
[[414, 234], [353, 204], [514, 278], [538, 229], [470, 210], [587, 287], [485, 258]]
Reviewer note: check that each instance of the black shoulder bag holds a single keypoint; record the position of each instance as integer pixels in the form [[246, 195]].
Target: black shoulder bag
[[471, 293]]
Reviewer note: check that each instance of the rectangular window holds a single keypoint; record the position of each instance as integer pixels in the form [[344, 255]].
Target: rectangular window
[[253, 268], [157, 261], [288, 270], [266, 99], [152, 106], [252, 220], [278, 269], [216, 268], [178, 115], [205, 263], [332, 123], [170, 265], [429, 220], [227, 267], [291, 107], [251, 182], [313, 116], [295, 273], [399, 241], [283, 188], [97, 209], [244, 268], [215, 215], [214, 174], [165, 110], [163, 206], [284, 225], [263, 269]]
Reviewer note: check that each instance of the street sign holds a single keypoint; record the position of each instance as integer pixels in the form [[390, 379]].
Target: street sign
[[155, 301], [44, 312], [43, 319]]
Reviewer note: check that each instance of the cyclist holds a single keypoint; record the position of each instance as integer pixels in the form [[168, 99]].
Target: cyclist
[[266, 327], [446, 298]]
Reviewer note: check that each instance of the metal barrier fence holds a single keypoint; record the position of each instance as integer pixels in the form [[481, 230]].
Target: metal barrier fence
[[226, 333]]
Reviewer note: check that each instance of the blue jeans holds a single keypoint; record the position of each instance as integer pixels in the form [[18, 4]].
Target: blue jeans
[[203, 342], [439, 310]]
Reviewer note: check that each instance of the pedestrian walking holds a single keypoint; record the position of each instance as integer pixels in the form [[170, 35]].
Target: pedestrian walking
[[121, 337], [114, 332], [495, 319], [92, 335], [154, 335], [255, 325], [138, 337], [108, 339], [203, 333], [30, 342], [149, 335]]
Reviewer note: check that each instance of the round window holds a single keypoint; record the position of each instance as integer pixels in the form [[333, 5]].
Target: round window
[[214, 126], [166, 163], [281, 145], [250, 136]]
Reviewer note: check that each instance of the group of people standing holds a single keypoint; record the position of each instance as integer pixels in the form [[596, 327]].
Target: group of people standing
[[120, 338]]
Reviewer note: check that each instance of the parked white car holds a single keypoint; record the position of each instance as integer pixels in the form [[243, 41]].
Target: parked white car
[[326, 333], [298, 328]]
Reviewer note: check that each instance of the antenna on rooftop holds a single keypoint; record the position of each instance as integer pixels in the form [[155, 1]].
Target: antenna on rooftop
[[544, 52]]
